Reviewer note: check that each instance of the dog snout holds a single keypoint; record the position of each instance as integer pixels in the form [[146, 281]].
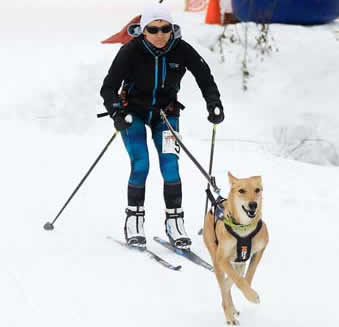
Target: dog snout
[[253, 205]]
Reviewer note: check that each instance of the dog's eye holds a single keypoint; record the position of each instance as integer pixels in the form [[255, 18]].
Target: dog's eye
[[242, 191], [257, 190]]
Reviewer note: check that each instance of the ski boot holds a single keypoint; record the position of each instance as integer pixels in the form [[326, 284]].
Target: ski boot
[[175, 229], [134, 227]]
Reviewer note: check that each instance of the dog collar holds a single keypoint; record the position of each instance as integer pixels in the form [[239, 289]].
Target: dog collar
[[230, 221]]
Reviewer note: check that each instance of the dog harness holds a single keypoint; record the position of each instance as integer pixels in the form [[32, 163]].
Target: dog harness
[[244, 244]]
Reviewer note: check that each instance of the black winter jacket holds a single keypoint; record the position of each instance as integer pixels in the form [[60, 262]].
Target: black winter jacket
[[152, 81]]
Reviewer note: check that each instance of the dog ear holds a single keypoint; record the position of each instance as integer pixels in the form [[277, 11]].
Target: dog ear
[[231, 178], [257, 179]]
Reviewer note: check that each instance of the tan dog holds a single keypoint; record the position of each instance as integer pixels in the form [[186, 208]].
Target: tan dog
[[226, 240]]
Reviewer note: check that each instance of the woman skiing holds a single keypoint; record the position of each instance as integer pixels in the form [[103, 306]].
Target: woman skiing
[[149, 68]]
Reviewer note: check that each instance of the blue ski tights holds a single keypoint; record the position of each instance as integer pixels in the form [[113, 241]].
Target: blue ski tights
[[135, 140]]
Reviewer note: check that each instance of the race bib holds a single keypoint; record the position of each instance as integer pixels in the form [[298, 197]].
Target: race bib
[[169, 143]]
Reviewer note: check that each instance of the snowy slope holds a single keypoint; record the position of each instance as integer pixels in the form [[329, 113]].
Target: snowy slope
[[52, 67]]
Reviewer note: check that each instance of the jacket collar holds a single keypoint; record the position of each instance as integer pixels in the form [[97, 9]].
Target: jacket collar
[[156, 51]]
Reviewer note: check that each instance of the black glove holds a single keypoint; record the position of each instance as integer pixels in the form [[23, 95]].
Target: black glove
[[120, 102], [216, 112], [113, 108], [122, 119]]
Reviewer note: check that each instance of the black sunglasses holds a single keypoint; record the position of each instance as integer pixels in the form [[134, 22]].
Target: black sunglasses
[[155, 29]]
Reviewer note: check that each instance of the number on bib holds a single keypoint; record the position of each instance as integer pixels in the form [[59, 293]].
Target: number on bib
[[170, 144]]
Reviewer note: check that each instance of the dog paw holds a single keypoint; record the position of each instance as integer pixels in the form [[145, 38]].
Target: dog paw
[[252, 296], [236, 313], [233, 322]]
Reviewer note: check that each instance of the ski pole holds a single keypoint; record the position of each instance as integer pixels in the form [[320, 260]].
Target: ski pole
[[50, 226], [209, 170], [210, 179]]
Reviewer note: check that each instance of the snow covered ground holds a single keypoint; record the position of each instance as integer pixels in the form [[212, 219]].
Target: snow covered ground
[[52, 66]]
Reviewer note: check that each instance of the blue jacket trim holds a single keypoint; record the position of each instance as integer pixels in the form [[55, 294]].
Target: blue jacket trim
[[163, 71]]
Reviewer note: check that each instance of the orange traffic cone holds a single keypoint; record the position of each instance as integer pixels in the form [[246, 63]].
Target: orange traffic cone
[[213, 13]]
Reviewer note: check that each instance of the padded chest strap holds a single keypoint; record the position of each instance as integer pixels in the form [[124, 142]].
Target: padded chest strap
[[244, 244]]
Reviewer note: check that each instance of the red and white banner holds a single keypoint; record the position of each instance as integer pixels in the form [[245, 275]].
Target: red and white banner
[[196, 5]]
